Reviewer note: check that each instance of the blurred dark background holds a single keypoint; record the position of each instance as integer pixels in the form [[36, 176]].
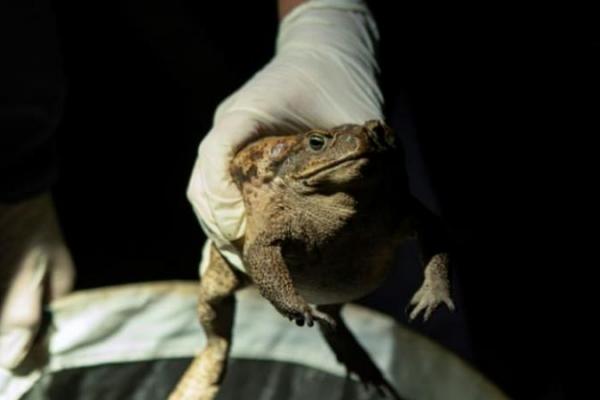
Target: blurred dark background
[[476, 95]]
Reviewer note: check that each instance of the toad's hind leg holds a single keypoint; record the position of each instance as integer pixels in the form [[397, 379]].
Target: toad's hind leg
[[216, 308], [352, 355]]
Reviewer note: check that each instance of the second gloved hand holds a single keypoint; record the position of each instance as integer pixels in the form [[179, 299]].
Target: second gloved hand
[[35, 268], [323, 75]]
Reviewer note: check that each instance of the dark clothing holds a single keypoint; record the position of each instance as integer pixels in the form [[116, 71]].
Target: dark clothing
[[32, 92]]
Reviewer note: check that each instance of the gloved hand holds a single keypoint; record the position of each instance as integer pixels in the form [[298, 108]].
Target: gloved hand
[[35, 268], [323, 75]]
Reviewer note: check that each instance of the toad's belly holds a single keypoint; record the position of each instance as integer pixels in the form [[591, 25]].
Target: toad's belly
[[336, 292], [335, 279], [352, 264]]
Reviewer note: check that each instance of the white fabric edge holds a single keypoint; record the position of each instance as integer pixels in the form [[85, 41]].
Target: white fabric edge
[[261, 334]]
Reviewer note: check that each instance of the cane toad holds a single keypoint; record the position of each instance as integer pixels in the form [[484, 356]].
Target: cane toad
[[325, 212]]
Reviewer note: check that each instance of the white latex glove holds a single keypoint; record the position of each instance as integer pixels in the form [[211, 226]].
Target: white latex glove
[[35, 268], [323, 75]]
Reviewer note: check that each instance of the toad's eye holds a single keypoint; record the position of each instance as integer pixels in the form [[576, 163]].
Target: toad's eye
[[317, 142]]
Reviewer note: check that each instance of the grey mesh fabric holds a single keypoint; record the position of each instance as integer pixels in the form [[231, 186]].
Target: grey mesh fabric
[[134, 342]]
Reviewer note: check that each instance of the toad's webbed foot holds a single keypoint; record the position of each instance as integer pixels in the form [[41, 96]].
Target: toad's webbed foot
[[370, 376]]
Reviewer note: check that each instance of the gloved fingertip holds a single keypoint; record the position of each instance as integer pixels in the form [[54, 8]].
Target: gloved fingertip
[[15, 343]]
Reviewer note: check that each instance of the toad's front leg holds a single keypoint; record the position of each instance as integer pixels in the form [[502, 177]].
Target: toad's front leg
[[433, 244], [266, 266]]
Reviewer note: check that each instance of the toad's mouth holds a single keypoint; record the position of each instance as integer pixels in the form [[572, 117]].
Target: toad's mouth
[[360, 161]]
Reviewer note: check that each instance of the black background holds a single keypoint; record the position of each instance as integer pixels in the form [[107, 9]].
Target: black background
[[482, 94]]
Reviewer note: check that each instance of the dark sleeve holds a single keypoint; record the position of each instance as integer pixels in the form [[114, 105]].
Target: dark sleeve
[[32, 89]]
